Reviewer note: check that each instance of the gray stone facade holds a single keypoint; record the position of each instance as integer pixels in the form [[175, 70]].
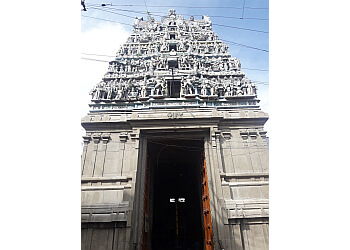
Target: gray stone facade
[[173, 82]]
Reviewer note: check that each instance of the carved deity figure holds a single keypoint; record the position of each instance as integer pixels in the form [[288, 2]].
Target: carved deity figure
[[204, 88], [236, 63], [162, 63], [207, 21], [164, 46], [98, 92], [137, 21], [188, 86], [184, 62], [212, 86], [143, 91], [159, 86], [247, 87], [181, 45], [109, 90]]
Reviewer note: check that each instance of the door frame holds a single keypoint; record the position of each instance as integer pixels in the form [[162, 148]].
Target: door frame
[[213, 176]]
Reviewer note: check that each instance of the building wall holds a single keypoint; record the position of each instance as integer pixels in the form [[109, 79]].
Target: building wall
[[113, 163]]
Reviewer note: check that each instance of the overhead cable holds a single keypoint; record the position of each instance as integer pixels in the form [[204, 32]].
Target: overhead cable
[[189, 7], [164, 13], [105, 20], [216, 24]]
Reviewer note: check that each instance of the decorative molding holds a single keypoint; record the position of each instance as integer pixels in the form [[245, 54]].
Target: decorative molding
[[244, 135], [253, 134], [263, 134], [106, 179], [86, 139], [123, 136], [96, 138], [247, 175], [105, 187], [246, 183], [105, 137], [226, 135]]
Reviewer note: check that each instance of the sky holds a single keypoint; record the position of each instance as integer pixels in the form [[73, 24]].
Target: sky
[[104, 29]]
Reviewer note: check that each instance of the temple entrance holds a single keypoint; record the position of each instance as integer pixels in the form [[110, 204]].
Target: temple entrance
[[175, 210]]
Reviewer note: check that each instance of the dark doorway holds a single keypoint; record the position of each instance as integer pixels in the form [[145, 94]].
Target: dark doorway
[[174, 87], [172, 46], [175, 194]]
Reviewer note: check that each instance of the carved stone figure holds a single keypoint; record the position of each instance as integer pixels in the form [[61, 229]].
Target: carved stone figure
[[204, 88], [159, 86], [137, 21], [198, 51], [188, 86]]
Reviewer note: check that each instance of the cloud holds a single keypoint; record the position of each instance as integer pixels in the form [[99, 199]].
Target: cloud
[[103, 39]]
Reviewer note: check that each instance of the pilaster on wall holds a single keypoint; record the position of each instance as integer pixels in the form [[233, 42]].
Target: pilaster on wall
[[108, 182], [238, 179], [138, 192], [245, 185], [86, 140], [90, 148], [217, 204], [244, 151]]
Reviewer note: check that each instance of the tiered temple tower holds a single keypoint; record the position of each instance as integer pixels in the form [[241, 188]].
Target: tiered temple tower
[[175, 154]]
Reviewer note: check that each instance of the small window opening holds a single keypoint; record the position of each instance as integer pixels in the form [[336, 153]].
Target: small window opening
[[174, 87], [172, 47]]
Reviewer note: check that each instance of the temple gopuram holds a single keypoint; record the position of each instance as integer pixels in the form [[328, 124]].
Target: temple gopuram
[[175, 153]]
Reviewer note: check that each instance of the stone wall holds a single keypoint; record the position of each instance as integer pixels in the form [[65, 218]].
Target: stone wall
[[113, 163]]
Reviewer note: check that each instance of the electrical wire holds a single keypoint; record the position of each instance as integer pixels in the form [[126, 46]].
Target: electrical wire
[[229, 42], [146, 5], [188, 7], [97, 55], [105, 20], [256, 69], [243, 8], [215, 24], [90, 59], [165, 13], [240, 28], [112, 12], [243, 45]]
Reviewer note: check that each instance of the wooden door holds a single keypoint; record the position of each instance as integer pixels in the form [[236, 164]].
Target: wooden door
[[145, 226], [208, 229]]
